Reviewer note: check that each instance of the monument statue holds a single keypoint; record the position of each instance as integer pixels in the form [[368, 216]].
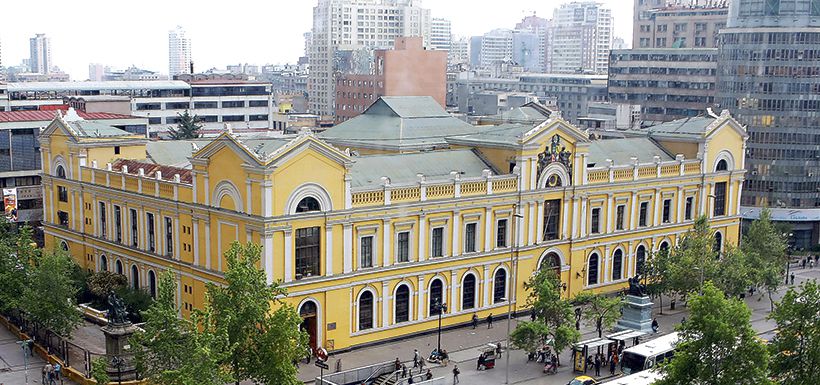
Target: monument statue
[[636, 288], [555, 153], [117, 314]]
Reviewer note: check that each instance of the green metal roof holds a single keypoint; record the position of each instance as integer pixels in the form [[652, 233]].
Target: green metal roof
[[503, 134], [93, 129], [366, 171], [621, 151], [695, 126], [409, 107], [173, 152]]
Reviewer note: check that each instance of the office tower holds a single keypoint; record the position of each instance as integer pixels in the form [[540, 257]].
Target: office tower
[[345, 33], [459, 53], [40, 59], [441, 35], [96, 72], [540, 27], [581, 38], [685, 24], [504, 46], [769, 78], [179, 52]]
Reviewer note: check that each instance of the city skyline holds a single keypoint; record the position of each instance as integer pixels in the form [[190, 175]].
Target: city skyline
[[91, 37]]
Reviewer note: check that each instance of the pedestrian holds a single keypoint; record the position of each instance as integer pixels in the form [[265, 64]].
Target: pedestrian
[[532, 316], [655, 325], [456, 372], [397, 364], [410, 380], [445, 358], [498, 350], [475, 321], [403, 370], [421, 365], [804, 263], [57, 371], [597, 365], [612, 365], [811, 264], [415, 358], [490, 321], [683, 321], [792, 278], [428, 376], [816, 258], [44, 372], [480, 361]]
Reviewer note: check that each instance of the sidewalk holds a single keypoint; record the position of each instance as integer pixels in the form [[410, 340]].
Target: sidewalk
[[12, 365]]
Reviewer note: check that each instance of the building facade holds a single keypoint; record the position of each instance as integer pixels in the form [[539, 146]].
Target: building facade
[[668, 83], [441, 34], [40, 54], [682, 25], [363, 244], [179, 52], [343, 28], [582, 35], [769, 77]]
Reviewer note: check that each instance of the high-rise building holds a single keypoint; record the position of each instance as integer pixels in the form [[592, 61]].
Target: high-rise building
[[502, 46], [582, 34], [40, 59], [179, 52], [769, 78], [96, 72], [684, 24], [441, 35], [345, 33], [541, 28], [459, 53]]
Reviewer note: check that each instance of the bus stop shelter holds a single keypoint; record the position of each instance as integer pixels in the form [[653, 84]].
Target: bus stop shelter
[[581, 351], [625, 335]]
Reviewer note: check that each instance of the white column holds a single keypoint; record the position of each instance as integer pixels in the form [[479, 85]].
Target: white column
[[453, 292], [583, 217], [422, 236], [385, 303], [456, 231], [703, 199], [730, 203], [533, 174], [267, 256], [176, 235], [347, 232], [488, 229], [565, 228], [195, 228], [633, 214], [539, 222], [73, 223], [248, 194], [739, 194], [485, 290], [288, 255], [421, 291], [267, 198], [207, 190], [609, 210], [207, 244], [328, 250], [386, 241], [606, 262], [576, 208], [193, 185], [657, 206], [531, 227]]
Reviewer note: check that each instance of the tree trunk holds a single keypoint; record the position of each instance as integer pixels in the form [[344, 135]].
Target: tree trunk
[[660, 299], [771, 300]]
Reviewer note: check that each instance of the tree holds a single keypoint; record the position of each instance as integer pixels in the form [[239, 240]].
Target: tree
[[101, 283], [765, 248], [529, 336], [98, 372], [795, 349], [599, 310], [657, 276], [262, 343], [50, 294], [717, 345], [693, 261], [734, 275], [187, 128], [16, 255], [553, 311]]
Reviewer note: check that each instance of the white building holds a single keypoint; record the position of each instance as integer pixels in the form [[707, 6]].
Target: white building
[[342, 27], [441, 35], [459, 52], [40, 49], [179, 52], [582, 35]]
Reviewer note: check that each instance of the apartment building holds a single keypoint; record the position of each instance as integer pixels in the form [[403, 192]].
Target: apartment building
[[581, 37], [678, 25]]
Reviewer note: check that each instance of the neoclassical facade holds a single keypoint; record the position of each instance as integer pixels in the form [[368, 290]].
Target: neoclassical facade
[[366, 244]]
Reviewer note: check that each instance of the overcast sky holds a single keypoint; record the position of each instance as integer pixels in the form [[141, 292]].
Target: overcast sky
[[121, 33]]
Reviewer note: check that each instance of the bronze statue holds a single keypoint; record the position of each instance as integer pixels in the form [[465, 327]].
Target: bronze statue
[[117, 314], [636, 288]]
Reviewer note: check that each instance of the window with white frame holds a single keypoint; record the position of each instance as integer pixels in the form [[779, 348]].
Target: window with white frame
[[500, 286], [595, 221], [501, 233], [643, 214], [403, 246], [152, 242], [592, 270], [117, 224], [366, 310], [687, 212], [620, 217], [366, 251], [437, 242], [666, 215], [617, 264], [470, 237], [402, 303], [103, 220], [468, 292]]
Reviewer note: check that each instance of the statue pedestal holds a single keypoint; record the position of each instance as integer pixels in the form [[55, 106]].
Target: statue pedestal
[[116, 346], [637, 314]]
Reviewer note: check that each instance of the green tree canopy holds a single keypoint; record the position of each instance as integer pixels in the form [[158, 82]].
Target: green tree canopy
[[734, 274], [717, 345], [16, 257], [50, 293], [187, 128], [553, 311], [765, 248], [693, 261], [529, 336], [599, 311], [795, 348]]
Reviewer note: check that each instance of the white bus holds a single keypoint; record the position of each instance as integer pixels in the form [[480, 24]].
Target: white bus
[[648, 354], [647, 377]]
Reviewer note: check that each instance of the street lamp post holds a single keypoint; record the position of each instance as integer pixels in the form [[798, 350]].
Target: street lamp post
[[25, 346], [117, 362], [788, 256], [439, 308], [510, 296]]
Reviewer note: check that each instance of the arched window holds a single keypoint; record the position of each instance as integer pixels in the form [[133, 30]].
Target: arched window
[[366, 311], [664, 246], [308, 204], [551, 261], [152, 284], [64, 245], [617, 264], [554, 180], [135, 277], [718, 246], [592, 270], [436, 295], [722, 165], [500, 286], [468, 292], [402, 304], [103, 263], [119, 267], [60, 171], [640, 263]]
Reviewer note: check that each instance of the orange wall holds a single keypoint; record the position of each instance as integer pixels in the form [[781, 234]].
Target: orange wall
[[414, 71]]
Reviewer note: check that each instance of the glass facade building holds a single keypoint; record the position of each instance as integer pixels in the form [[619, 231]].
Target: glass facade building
[[769, 78]]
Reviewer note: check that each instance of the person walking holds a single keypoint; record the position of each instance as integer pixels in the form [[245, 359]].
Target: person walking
[[612, 365], [597, 365], [45, 372], [498, 350], [403, 370], [792, 278], [397, 365], [415, 358], [421, 365], [811, 264], [445, 357], [456, 372], [490, 321], [655, 325], [804, 263], [475, 321], [57, 372]]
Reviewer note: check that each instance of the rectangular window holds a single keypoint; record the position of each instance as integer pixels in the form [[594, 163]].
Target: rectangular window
[[117, 224], [307, 252], [687, 213], [720, 199], [552, 213], [501, 233], [152, 241], [366, 252], [62, 194], [620, 212], [437, 242], [469, 238], [403, 247], [134, 232], [233, 104], [103, 222], [643, 214], [595, 221], [62, 218], [169, 236], [667, 210]]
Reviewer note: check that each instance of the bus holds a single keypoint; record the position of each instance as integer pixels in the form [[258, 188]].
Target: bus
[[648, 354], [647, 377]]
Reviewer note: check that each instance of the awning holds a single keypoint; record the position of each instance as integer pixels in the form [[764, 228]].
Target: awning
[[594, 343], [625, 335]]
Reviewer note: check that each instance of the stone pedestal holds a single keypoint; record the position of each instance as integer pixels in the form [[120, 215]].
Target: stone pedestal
[[637, 314], [116, 346]]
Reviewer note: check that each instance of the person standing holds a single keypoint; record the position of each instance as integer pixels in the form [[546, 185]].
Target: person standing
[[456, 372], [498, 350], [655, 325], [612, 365], [57, 371], [804, 263], [597, 365], [475, 321], [415, 358], [792, 278], [403, 370], [421, 365], [490, 321]]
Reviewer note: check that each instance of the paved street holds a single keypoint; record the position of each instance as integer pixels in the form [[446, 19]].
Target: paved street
[[463, 343], [12, 368]]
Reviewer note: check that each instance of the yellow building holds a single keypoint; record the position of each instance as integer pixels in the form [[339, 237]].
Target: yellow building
[[365, 244]]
